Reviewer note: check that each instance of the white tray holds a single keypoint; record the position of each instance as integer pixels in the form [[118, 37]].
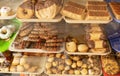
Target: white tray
[[68, 20], [58, 18], [39, 60]]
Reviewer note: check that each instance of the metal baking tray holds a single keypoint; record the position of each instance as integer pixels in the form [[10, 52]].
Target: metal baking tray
[[38, 61], [79, 33], [59, 27]]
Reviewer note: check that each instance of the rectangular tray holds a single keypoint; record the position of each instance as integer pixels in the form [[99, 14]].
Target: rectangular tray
[[80, 35], [58, 27], [39, 60]]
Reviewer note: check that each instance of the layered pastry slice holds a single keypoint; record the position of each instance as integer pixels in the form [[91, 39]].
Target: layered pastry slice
[[73, 10], [116, 9], [97, 15], [100, 3], [96, 8]]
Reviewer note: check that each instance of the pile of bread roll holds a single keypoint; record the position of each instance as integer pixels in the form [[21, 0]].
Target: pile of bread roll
[[20, 64], [55, 64], [96, 39], [82, 65]]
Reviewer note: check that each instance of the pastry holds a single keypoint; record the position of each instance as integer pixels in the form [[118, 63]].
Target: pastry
[[77, 72], [96, 8], [32, 69], [97, 3], [26, 66], [23, 61], [84, 72], [97, 44], [13, 69], [71, 71], [97, 15], [20, 68], [54, 70], [67, 67], [75, 58], [95, 36], [79, 63], [48, 6], [6, 11], [16, 61], [61, 67], [58, 55], [51, 59], [73, 65], [68, 61], [49, 71], [48, 65], [55, 64], [73, 10], [25, 10], [71, 46], [82, 48]]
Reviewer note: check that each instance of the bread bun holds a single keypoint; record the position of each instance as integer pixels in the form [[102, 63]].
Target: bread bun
[[82, 48], [20, 68]]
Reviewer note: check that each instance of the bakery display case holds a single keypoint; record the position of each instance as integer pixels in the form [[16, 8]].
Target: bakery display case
[[60, 37]]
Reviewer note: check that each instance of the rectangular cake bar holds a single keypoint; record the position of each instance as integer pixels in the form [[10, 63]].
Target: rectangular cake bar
[[96, 3], [97, 8], [97, 15]]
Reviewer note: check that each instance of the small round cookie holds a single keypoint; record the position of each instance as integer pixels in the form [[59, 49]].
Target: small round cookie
[[82, 48], [77, 72], [48, 65], [68, 61], [84, 72]]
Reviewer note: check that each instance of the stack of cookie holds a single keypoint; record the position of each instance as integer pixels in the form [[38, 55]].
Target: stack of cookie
[[96, 39], [39, 36], [97, 10]]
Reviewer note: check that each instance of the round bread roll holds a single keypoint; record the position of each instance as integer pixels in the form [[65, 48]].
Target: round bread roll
[[77, 72], [48, 65], [82, 48], [71, 46], [68, 61], [13, 69], [26, 66], [16, 61], [84, 72], [20, 68], [23, 61]]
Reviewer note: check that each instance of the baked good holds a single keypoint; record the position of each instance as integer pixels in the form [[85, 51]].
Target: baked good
[[98, 15], [48, 6], [51, 59], [71, 71], [73, 10], [48, 65], [20, 68], [73, 65], [95, 36], [16, 61], [97, 44], [32, 69], [77, 72], [26, 66], [23, 61], [97, 3], [71, 46], [110, 65], [13, 69], [96, 8], [68, 61], [82, 48], [55, 64], [6, 11], [84, 72], [79, 63], [116, 9], [25, 10]]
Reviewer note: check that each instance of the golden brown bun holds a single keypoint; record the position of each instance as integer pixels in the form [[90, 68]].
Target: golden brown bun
[[82, 48]]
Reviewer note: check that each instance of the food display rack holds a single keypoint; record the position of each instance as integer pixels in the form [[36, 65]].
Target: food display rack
[[14, 4]]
